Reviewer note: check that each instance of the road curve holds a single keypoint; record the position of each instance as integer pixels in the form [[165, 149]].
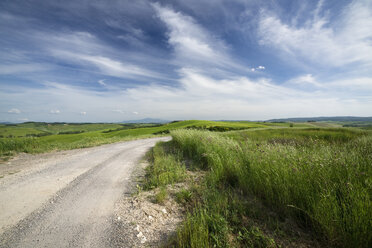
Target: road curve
[[67, 200]]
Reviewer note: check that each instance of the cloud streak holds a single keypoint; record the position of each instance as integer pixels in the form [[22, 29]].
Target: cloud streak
[[320, 41], [14, 111], [193, 45]]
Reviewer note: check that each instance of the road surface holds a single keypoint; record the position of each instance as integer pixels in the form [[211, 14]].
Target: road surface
[[66, 199]]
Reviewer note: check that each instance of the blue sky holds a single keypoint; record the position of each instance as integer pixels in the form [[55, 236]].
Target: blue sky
[[109, 61]]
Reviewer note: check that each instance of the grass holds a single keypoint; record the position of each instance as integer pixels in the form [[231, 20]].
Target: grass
[[183, 196], [37, 128], [320, 178], [161, 196], [164, 169], [87, 135]]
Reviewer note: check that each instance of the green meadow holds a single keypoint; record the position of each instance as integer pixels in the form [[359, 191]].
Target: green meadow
[[35, 137], [283, 187]]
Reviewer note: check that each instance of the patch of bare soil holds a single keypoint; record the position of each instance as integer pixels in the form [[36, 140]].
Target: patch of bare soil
[[140, 221], [143, 223]]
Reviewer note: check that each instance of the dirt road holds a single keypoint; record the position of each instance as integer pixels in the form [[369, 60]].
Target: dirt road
[[66, 199]]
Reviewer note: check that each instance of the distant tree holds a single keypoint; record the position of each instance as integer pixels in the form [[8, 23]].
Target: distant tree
[[290, 124]]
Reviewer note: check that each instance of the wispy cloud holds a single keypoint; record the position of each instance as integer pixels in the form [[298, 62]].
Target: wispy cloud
[[193, 45], [102, 82], [55, 111], [304, 81], [77, 49], [343, 42], [86, 50], [14, 111], [258, 68]]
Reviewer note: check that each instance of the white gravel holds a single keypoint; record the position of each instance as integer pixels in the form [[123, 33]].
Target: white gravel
[[66, 199]]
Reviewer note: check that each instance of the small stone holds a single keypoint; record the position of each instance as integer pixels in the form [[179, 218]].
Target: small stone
[[164, 211], [150, 217], [137, 228], [119, 218], [143, 240], [139, 235]]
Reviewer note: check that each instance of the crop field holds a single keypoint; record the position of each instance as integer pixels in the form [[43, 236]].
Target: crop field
[[268, 188]]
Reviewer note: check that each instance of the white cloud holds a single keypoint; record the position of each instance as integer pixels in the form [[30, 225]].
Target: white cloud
[[360, 84], [83, 50], [102, 82], [14, 111], [342, 42], [134, 112], [194, 45], [200, 96], [242, 98], [258, 68], [106, 65], [55, 111], [117, 68], [83, 113], [185, 34], [304, 80]]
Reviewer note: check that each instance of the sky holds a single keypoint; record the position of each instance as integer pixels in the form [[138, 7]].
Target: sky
[[117, 60]]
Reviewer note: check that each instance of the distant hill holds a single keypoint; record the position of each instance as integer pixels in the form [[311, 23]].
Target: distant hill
[[335, 118], [146, 120]]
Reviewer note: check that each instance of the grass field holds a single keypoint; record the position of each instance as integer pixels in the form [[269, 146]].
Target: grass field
[[262, 186], [29, 128], [62, 136]]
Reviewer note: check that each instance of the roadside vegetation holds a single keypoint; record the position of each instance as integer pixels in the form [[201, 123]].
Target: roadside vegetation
[[291, 187]]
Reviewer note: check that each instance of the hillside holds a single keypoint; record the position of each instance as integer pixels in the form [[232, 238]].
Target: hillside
[[334, 118]]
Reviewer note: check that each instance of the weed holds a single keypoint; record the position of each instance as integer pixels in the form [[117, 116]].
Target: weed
[[161, 196], [165, 169], [255, 238], [183, 196]]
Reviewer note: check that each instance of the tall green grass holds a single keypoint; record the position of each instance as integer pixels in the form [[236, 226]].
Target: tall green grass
[[320, 177], [165, 168]]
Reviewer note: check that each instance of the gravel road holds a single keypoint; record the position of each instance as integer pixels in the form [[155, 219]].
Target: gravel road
[[66, 199]]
